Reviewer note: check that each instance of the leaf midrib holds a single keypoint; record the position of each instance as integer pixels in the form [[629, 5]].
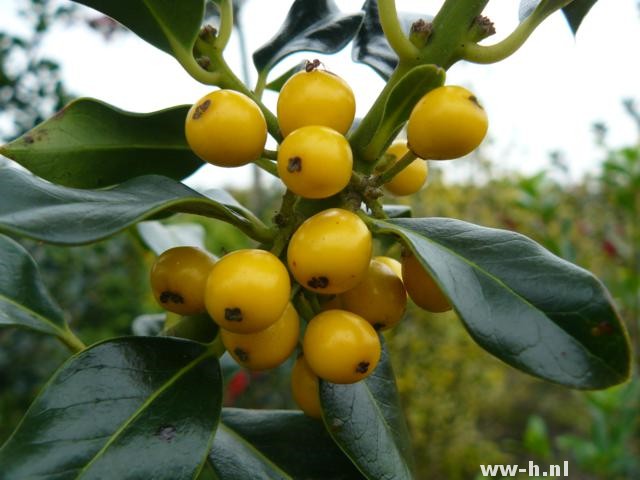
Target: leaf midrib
[[94, 148], [35, 314], [263, 458], [510, 290], [387, 428], [226, 214], [143, 407]]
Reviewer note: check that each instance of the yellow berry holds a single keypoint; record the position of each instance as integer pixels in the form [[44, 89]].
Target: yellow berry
[[341, 347], [380, 298], [267, 348], [330, 251], [247, 291], [315, 162], [448, 122], [226, 128], [421, 287], [315, 98], [410, 179], [178, 278], [305, 388]]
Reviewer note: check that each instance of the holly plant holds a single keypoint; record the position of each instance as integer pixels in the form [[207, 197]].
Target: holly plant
[[318, 288]]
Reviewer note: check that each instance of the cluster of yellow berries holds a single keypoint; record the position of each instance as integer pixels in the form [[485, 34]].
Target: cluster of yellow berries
[[315, 110], [248, 292]]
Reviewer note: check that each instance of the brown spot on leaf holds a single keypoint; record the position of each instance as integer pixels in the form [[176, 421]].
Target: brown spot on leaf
[[233, 314], [603, 328], [28, 139], [200, 109], [166, 433]]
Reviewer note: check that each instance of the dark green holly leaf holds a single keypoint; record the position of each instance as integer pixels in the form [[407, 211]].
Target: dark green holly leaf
[[36, 209], [366, 420], [233, 458], [576, 11], [527, 7], [405, 94], [24, 300], [138, 407], [160, 237], [296, 443], [317, 26], [168, 25], [90, 144], [520, 302], [370, 45]]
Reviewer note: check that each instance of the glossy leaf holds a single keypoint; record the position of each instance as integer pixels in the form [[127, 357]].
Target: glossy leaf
[[160, 237], [138, 407], [168, 25], [365, 419], [24, 300], [405, 94], [68, 216], [371, 47], [576, 11], [527, 7], [90, 144], [233, 458], [296, 443], [521, 303], [408, 91], [317, 26]]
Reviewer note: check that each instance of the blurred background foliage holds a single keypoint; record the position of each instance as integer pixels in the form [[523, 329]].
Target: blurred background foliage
[[463, 406]]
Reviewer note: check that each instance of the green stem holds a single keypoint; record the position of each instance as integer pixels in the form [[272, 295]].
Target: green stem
[[393, 31], [451, 28], [270, 154], [217, 347], [376, 209], [72, 342], [268, 166], [230, 80], [396, 168], [286, 220], [304, 307], [255, 229], [473, 52], [195, 70], [261, 83], [226, 24]]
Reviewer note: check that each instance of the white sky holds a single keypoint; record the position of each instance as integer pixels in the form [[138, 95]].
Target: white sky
[[543, 98]]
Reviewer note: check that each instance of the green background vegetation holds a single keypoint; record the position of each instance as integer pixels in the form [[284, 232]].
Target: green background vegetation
[[463, 406]]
